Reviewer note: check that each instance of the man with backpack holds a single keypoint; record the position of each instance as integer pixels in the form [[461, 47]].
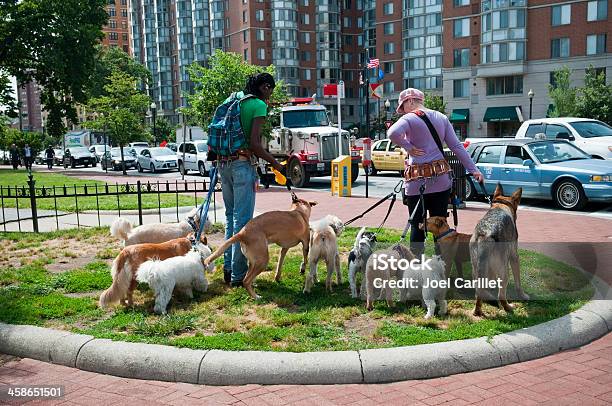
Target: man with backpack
[[234, 137]]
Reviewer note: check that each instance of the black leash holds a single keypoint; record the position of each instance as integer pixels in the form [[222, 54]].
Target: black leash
[[375, 205], [482, 188], [393, 199]]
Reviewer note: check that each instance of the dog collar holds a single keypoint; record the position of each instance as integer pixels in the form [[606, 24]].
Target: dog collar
[[445, 234], [192, 223]]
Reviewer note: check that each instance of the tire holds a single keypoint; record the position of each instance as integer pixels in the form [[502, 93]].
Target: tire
[[152, 168], [85, 165], [569, 195], [371, 169], [354, 172], [297, 174], [470, 190], [202, 169], [182, 169], [138, 167]]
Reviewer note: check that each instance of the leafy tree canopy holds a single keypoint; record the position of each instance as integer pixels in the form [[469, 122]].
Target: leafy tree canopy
[[53, 42], [595, 100], [435, 102], [562, 94]]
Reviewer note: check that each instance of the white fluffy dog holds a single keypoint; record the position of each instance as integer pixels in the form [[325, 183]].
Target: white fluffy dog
[[364, 245], [184, 273], [324, 235], [158, 232], [422, 277]]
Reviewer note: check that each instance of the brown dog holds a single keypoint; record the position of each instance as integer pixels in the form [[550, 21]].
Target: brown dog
[[454, 246], [130, 258], [494, 247], [285, 228]]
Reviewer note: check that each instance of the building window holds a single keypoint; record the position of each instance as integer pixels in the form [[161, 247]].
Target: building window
[[261, 35], [112, 12], [305, 19], [304, 3], [124, 13], [389, 48], [306, 37], [245, 54], [504, 85], [388, 9], [596, 44], [259, 15], [307, 74], [389, 67], [561, 15], [461, 57], [124, 36], [389, 87], [597, 10], [112, 24], [261, 53], [503, 52], [596, 71], [244, 16], [560, 48], [389, 28], [346, 22], [461, 28], [459, 3], [461, 88], [306, 56], [113, 36]]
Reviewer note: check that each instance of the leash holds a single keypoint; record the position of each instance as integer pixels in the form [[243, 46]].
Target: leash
[[205, 206], [421, 203], [482, 188], [375, 205]]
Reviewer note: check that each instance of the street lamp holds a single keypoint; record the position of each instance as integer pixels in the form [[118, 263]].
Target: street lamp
[[387, 106], [153, 114], [530, 94]]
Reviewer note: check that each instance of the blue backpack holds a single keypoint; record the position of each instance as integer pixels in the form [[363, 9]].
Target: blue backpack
[[225, 134]]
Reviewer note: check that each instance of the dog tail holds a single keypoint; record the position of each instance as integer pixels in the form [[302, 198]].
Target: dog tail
[[121, 228], [219, 251], [122, 277]]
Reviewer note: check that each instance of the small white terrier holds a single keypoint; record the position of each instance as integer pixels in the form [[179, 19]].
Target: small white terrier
[[422, 286], [184, 273], [324, 235]]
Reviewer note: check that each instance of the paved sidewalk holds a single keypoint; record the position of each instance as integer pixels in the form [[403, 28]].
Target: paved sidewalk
[[581, 376]]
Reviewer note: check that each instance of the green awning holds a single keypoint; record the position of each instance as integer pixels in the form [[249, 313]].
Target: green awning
[[460, 115], [508, 113]]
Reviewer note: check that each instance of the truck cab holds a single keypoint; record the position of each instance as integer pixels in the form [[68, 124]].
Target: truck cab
[[303, 136]]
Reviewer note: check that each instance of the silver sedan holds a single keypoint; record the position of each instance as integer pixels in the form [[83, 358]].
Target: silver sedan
[[157, 159]]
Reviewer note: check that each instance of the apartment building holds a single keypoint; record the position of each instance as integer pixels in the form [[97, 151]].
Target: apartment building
[[497, 52], [30, 108], [117, 30]]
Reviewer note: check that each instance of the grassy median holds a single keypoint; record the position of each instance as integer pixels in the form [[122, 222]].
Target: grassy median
[[54, 280], [12, 178]]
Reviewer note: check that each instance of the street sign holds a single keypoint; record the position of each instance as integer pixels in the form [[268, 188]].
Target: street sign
[[367, 152], [388, 124]]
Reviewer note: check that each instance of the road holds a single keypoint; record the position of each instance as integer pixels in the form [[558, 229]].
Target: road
[[378, 186]]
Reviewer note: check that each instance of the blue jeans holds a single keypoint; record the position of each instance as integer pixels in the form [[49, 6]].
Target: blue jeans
[[238, 182]]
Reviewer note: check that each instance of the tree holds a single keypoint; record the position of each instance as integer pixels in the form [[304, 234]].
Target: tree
[[163, 130], [226, 73], [435, 102], [562, 94], [121, 111], [110, 59], [52, 42], [595, 99]]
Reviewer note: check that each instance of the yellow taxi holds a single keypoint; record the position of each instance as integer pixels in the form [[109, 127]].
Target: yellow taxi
[[386, 156]]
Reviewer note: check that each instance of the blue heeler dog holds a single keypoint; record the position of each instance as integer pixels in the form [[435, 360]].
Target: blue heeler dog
[[494, 247]]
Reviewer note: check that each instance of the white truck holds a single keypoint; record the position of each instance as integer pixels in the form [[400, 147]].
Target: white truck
[[302, 135], [592, 136]]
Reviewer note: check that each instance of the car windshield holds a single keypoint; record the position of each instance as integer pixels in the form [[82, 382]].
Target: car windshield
[[305, 118], [202, 147], [592, 129], [556, 151], [127, 152], [79, 150], [161, 151]]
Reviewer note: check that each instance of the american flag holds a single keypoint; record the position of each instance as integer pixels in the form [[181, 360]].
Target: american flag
[[374, 63]]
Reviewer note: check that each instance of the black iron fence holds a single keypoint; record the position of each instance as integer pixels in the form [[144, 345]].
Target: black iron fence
[[458, 174], [14, 200]]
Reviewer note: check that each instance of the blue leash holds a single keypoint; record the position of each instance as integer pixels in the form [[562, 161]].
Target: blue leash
[[206, 204]]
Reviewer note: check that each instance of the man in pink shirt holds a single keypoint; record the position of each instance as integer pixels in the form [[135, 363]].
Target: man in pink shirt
[[412, 133]]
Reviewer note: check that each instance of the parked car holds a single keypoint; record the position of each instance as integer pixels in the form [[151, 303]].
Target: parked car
[[172, 146], [142, 144], [386, 156], [40, 158], [59, 156], [74, 156], [98, 150], [112, 159], [546, 169], [194, 157], [156, 159]]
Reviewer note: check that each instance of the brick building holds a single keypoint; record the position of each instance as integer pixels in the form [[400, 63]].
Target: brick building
[[30, 109], [117, 30], [496, 51]]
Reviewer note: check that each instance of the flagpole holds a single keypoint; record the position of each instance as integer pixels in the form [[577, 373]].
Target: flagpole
[[366, 78]]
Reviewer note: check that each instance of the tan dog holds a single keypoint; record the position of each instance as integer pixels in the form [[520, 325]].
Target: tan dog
[[285, 228], [129, 260], [324, 246], [494, 246], [375, 271], [454, 246]]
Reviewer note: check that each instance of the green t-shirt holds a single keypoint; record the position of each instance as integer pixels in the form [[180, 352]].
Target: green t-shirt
[[249, 110]]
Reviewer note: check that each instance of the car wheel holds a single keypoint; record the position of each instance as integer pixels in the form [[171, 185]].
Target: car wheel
[[371, 169], [470, 190], [138, 167], [202, 169], [182, 169], [152, 168], [297, 174], [569, 195]]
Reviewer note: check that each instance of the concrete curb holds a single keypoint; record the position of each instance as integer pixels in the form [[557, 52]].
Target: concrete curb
[[214, 367]]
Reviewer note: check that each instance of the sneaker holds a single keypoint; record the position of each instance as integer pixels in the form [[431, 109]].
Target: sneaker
[[227, 276], [236, 284]]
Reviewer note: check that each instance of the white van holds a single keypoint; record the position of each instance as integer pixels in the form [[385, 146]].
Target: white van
[[192, 156]]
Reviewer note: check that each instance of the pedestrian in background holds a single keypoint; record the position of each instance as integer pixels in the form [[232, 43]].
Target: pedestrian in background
[[49, 155], [27, 156], [14, 156]]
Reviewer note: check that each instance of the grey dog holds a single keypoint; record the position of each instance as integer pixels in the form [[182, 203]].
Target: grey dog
[[358, 257]]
